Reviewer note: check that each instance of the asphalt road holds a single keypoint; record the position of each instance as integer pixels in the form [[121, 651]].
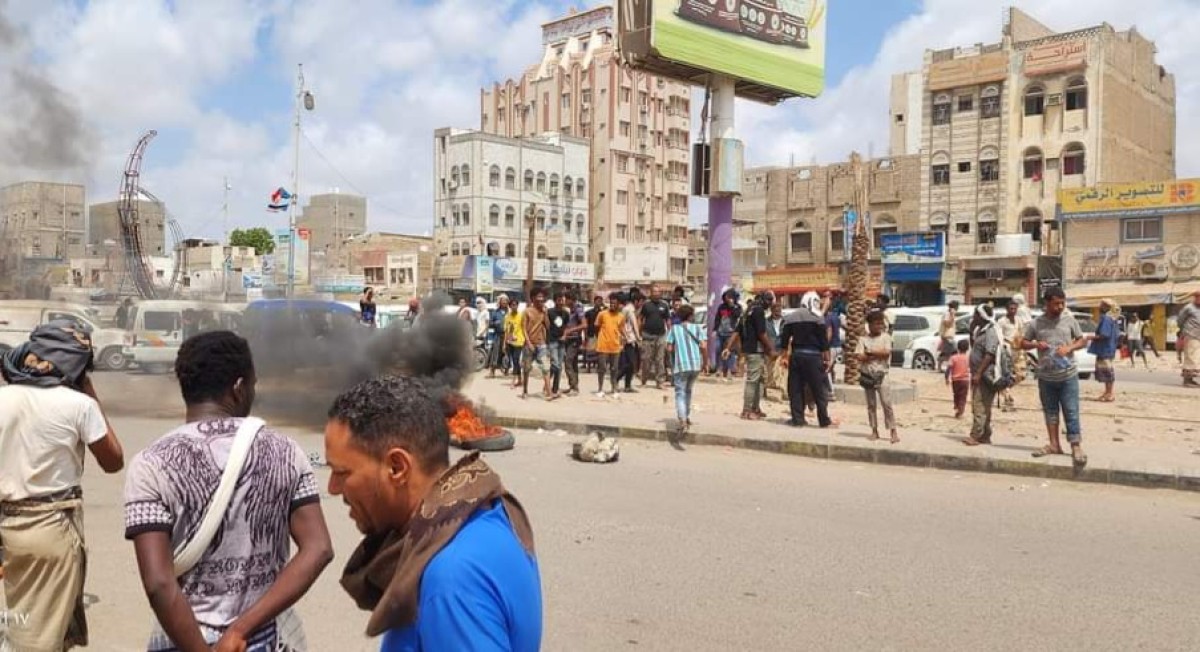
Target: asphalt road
[[714, 549]]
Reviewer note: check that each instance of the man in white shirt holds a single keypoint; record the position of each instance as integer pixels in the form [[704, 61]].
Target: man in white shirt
[[48, 414]]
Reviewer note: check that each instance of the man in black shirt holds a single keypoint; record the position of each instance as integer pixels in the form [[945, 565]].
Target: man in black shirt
[[573, 340], [653, 317], [756, 347], [557, 318], [808, 363]]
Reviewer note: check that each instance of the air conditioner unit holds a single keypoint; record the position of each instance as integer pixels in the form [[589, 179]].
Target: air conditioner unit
[[1152, 271], [1054, 99]]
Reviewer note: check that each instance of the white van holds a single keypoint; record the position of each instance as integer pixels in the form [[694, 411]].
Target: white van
[[158, 328], [19, 318]]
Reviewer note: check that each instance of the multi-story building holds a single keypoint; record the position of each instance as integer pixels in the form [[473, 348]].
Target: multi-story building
[[1003, 126], [489, 191], [104, 226], [799, 213], [331, 219], [637, 125], [41, 226], [749, 256], [397, 266]]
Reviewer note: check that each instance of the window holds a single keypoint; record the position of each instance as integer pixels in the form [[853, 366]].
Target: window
[[965, 103], [494, 215], [585, 96], [510, 179], [941, 175], [1032, 168], [494, 176], [989, 103], [566, 101], [579, 255], [553, 220], [166, 322], [554, 185], [622, 197], [1035, 100], [964, 166], [941, 110], [837, 235], [989, 170], [510, 250], [579, 227], [910, 323], [568, 187], [622, 163], [801, 238], [457, 216], [541, 220], [466, 215], [454, 176], [625, 126], [1072, 159], [529, 180], [987, 233], [622, 232], [884, 225], [493, 249], [626, 95], [963, 228], [454, 249], [899, 118], [510, 218], [579, 189], [1076, 98], [373, 275], [541, 182], [466, 175], [1141, 229]]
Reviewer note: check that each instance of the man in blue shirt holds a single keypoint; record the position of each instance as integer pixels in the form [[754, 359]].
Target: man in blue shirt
[[448, 560], [1104, 347]]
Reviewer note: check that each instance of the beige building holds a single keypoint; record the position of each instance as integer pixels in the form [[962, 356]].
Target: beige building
[[799, 213], [749, 256], [1001, 127], [104, 227], [41, 229], [332, 219], [399, 267], [638, 127]]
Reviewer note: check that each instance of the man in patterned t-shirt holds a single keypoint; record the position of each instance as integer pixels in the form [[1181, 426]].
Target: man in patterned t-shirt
[[239, 592]]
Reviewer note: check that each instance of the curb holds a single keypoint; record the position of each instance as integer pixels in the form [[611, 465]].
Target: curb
[[887, 456]]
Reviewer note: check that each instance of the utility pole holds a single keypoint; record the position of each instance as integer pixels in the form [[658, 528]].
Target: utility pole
[[227, 248], [529, 253], [303, 99], [337, 238]]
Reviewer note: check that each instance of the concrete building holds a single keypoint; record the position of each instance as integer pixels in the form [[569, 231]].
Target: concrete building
[[398, 266], [1002, 127], [749, 255], [638, 127], [204, 270], [331, 219], [104, 226], [1136, 243], [41, 229], [799, 214], [486, 188]]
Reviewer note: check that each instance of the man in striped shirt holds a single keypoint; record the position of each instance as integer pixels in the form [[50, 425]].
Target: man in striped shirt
[[688, 348]]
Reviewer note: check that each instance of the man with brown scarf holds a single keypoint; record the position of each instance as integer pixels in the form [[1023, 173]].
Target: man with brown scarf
[[448, 560]]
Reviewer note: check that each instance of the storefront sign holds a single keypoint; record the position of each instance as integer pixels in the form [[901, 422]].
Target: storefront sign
[[485, 281], [896, 248], [1185, 258], [1130, 199], [968, 71], [1056, 57], [797, 279], [1157, 251], [511, 272]]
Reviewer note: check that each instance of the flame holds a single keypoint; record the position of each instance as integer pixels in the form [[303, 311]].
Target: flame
[[465, 425]]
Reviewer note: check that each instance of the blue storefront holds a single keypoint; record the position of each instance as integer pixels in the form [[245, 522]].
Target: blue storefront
[[912, 267]]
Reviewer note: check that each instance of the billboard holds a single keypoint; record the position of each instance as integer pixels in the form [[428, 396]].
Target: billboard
[[282, 244], [902, 248], [509, 273], [1131, 199], [775, 43], [635, 263], [485, 281]]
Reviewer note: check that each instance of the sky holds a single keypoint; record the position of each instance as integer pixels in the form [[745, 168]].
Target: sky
[[81, 81]]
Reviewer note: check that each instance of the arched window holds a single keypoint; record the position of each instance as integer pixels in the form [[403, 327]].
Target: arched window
[[553, 185], [510, 250], [541, 252], [987, 227], [553, 220], [510, 179], [1035, 100], [989, 164], [494, 176], [466, 215], [494, 216], [939, 172], [939, 222], [454, 249], [881, 226], [454, 180], [1076, 95], [941, 109], [529, 180], [567, 223], [579, 190], [541, 182], [1031, 223], [989, 102], [457, 215], [1032, 164], [1072, 159], [510, 218], [567, 254], [493, 249], [579, 226], [466, 175], [579, 255], [801, 240], [568, 187], [541, 220], [837, 234]]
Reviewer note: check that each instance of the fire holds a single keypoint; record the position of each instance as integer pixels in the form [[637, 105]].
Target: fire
[[465, 425]]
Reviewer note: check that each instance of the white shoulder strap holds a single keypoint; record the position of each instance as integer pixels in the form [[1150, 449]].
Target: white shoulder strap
[[189, 555]]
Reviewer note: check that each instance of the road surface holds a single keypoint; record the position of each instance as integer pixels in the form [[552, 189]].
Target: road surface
[[714, 549]]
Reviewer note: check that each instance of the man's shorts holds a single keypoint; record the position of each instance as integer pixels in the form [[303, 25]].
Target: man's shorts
[[539, 355], [1105, 372]]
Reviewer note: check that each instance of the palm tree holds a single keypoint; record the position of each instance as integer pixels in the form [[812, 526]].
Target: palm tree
[[856, 290]]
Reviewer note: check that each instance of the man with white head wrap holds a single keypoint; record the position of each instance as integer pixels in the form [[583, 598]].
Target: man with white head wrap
[[985, 343], [808, 362]]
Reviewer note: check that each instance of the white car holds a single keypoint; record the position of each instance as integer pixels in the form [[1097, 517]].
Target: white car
[[922, 353]]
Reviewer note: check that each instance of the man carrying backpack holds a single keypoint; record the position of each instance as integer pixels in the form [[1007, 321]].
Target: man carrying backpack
[[985, 351]]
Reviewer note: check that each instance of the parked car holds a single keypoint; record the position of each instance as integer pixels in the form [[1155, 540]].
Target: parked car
[[922, 353], [909, 324], [18, 319]]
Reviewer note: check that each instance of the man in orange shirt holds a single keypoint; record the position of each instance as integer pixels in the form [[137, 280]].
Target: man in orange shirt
[[608, 342]]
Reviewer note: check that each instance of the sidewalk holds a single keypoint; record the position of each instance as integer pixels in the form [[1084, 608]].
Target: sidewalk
[[1146, 440]]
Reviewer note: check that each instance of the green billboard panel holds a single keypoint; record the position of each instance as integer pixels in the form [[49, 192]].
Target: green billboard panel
[[776, 43]]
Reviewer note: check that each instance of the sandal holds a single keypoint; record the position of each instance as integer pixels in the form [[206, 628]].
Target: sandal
[[1079, 458], [1047, 450]]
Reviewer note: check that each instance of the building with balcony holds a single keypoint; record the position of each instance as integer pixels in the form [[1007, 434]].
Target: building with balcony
[[799, 215], [637, 126], [1002, 127]]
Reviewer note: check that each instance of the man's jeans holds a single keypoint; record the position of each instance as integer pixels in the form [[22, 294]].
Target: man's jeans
[[654, 354], [685, 382], [573, 348], [556, 363], [726, 365], [1062, 395], [756, 382]]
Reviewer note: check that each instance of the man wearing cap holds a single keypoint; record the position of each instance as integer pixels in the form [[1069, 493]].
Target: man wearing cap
[[1189, 340], [1104, 347]]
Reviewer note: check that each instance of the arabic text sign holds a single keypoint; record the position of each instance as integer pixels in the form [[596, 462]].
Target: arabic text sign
[[968, 71], [507, 270], [912, 248], [1157, 197], [1056, 57]]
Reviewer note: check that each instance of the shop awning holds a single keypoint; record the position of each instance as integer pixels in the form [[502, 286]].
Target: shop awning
[[1124, 293], [1183, 291]]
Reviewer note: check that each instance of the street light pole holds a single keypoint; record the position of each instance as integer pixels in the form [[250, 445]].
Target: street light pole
[[227, 248], [305, 99]]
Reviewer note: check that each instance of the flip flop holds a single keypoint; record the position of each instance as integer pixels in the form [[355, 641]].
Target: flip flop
[[1079, 459], [1046, 450]]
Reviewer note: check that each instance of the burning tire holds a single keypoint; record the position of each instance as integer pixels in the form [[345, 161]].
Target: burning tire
[[502, 442]]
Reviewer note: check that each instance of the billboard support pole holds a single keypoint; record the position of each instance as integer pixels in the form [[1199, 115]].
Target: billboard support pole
[[720, 214]]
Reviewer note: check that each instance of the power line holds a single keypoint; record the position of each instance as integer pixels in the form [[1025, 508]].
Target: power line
[[344, 178]]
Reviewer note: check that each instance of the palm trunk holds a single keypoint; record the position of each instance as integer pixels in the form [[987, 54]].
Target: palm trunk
[[856, 287]]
